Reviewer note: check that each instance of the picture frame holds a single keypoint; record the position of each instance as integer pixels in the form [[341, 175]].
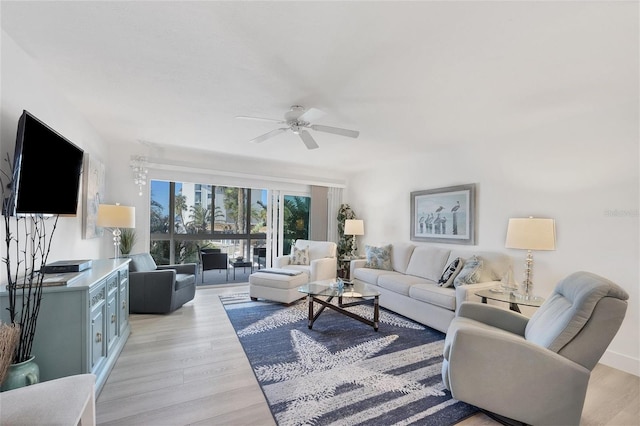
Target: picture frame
[[444, 215], [93, 189]]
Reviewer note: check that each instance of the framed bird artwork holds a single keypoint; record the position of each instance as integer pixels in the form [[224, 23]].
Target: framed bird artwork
[[444, 215]]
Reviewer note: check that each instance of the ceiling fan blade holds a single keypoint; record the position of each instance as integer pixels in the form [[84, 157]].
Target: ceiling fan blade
[[271, 134], [335, 130], [311, 115], [270, 120], [308, 139]]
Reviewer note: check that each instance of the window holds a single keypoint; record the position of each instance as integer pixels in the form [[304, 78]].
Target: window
[[186, 216]]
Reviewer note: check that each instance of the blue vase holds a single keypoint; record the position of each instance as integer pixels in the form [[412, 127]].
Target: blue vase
[[21, 374]]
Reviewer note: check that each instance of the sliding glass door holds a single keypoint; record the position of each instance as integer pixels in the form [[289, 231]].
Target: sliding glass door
[[291, 214]]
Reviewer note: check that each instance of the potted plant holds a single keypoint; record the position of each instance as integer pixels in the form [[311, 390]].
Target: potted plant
[[128, 239], [344, 243]]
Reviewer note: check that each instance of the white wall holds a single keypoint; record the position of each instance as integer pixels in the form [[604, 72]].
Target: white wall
[[24, 86], [582, 173]]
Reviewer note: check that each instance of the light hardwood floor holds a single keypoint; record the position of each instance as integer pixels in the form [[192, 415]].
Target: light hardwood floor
[[188, 368]]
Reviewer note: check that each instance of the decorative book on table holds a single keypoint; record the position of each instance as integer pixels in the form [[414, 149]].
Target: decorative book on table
[[67, 266]]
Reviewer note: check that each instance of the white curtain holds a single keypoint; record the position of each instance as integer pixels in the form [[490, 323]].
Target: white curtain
[[319, 223], [334, 202]]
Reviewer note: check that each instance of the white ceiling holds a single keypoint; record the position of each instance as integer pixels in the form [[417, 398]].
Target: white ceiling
[[410, 76]]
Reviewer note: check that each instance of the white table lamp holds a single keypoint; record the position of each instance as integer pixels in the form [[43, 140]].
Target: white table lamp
[[353, 227], [530, 234], [114, 217]]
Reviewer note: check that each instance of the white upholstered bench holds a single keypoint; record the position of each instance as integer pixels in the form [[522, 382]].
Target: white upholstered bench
[[279, 285]]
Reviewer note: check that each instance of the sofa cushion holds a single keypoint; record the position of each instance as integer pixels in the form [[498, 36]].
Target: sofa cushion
[[142, 262], [184, 280], [400, 256], [299, 256], [428, 262], [495, 264], [445, 297], [470, 273], [369, 275], [451, 272], [400, 283], [379, 257]]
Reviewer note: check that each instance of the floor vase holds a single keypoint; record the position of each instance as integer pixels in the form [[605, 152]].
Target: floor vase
[[21, 374]]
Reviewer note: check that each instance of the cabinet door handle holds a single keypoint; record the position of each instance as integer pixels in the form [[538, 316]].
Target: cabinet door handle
[[124, 304], [98, 337], [113, 318]]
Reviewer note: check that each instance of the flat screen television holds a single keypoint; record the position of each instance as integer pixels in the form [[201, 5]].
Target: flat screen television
[[46, 171]]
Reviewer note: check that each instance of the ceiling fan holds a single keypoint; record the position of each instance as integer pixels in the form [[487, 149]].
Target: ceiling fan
[[298, 119]]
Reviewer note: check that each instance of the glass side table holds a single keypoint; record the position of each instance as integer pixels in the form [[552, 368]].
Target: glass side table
[[509, 297]]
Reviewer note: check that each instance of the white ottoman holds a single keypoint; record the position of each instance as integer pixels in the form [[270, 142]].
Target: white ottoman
[[279, 287]]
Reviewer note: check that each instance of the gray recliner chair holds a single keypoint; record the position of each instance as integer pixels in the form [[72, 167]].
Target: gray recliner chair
[[534, 370], [159, 289]]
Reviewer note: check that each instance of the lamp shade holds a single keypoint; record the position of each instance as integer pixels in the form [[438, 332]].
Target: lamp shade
[[116, 216], [354, 227], [531, 234]]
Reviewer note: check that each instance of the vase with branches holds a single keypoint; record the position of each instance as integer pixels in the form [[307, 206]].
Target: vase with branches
[[28, 243]]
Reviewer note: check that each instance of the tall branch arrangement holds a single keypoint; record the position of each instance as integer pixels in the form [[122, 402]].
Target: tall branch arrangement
[[24, 260]]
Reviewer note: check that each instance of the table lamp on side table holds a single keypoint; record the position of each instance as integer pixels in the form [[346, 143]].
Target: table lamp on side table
[[114, 217], [530, 234], [353, 227]]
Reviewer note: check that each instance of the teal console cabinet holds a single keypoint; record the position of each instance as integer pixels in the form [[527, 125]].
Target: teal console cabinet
[[82, 326]]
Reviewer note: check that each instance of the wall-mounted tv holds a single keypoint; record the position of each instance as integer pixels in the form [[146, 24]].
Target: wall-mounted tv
[[46, 171]]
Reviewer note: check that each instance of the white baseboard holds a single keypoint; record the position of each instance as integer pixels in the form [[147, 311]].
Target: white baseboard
[[621, 362]]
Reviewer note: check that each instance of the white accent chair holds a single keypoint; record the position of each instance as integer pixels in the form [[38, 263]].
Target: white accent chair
[[69, 400], [534, 370], [323, 260]]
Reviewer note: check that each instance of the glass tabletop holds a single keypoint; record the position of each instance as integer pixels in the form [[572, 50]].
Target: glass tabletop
[[330, 288], [511, 297]]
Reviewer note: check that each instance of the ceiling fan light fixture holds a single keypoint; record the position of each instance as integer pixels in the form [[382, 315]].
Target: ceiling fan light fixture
[[299, 119], [294, 113]]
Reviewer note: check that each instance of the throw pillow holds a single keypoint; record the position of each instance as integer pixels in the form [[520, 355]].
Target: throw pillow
[[451, 272], [378, 257], [470, 273], [300, 256]]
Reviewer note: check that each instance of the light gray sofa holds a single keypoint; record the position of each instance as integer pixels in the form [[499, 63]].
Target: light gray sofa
[[411, 288]]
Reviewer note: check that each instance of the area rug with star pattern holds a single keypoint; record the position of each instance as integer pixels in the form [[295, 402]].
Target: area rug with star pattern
[[342, 372]]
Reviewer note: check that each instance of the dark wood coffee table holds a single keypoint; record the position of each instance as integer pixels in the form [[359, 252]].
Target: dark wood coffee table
[[323, 292]]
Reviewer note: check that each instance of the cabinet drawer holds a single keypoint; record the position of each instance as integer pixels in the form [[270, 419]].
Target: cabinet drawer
[[112, 320], [112, 283], [98, 349], [124, 275], [97, 335], [123, 305]]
